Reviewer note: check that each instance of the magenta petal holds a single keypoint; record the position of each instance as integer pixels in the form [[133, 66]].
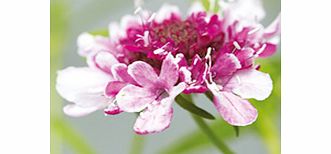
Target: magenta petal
[[226, 65], [114, 87], [155, 118], [143, 73], [234, 110], [112, 109], [269, 50], [134, 99], [169, 71]]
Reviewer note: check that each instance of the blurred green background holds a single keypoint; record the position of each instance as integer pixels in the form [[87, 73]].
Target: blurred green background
[[99, 134]]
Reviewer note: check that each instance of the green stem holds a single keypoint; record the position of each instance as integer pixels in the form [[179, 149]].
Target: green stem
[[137, 144], [211, 136], [208, 131]]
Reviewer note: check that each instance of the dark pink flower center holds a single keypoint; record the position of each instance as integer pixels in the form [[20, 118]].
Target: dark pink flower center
[[190, 36]]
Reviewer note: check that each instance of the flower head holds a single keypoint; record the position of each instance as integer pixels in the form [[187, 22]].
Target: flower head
[[150, 58]]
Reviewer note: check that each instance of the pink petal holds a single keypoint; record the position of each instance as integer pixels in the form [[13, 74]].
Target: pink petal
[[77, 111], [273, 29], [155, 118], [134, 99], [234, 110], [250, 83], [120, 72], [143, 73], [114, 87], [169, 71], [226, 65], [269, 50], [90, 45], [112, 109], [245, 57], [176, 90], [105, 60]]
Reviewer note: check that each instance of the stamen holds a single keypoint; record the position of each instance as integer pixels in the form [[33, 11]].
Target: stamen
[[158, 51], [260, 50], [254, 30], [238, 79], [137, 10], [236, 44], [144, 37], [151, 18]]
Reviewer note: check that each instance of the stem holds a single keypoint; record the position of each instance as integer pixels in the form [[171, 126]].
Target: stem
[[137, 144], [212, 137], [205, 129]]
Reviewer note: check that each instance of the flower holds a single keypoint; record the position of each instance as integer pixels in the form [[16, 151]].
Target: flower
[[150, 58]]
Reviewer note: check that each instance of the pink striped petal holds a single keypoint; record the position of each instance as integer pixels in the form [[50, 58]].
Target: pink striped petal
[[169, 71], [234, 110], [155, 118], [120, 72], [143, 73], [114, 87], [134, 99]]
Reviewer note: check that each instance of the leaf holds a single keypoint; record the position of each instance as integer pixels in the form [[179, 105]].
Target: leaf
[[189, 106]]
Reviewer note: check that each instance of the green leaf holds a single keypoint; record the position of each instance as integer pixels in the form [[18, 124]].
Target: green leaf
[[189, 106]]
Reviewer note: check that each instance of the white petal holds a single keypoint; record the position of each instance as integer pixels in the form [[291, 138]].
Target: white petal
[[195, 7], [246, 11], [250, 83], [77, 111], [76, 84], [105, 60], [165, 12], [85, 42]]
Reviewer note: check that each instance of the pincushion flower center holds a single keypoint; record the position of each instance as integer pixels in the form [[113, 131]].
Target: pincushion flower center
[[178, 33]]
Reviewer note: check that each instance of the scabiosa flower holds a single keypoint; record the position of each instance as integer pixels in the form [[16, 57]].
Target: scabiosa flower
[[150, 58]]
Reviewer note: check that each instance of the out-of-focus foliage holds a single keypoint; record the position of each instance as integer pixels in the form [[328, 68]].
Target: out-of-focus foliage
[[266, 124], [61, 131]]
